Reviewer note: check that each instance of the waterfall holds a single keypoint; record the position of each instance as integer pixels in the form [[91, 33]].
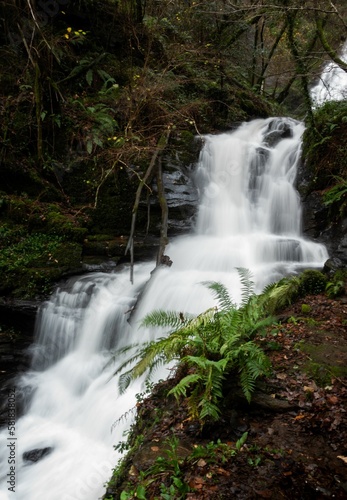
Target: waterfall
[[249, 216], [332, 84]]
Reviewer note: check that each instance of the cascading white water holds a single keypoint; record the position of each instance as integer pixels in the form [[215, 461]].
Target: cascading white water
[[332, 84], [249, 216]]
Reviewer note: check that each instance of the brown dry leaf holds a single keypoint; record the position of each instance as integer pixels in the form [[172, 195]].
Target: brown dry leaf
[[201, 463], [133, 471], [223, 472], [264, 493], [344, 459], [155, 448], [299, 417], [309, 388], [199, 480]]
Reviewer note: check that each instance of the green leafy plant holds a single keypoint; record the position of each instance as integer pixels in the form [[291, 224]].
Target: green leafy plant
[[167, 468], [337, 193], [312, 282], [209, 347], [280, 294], [212, 452], [335, 288], [97, 123]]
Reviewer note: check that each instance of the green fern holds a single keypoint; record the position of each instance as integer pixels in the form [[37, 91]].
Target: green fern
[[247, 285], [221, 294], [211, 346], [165, 319], [277, 296]]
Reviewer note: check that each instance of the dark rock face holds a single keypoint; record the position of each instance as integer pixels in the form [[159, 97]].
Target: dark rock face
[[37, 454], [282, 131], [178, 179], [17, 323], [320, 222], [182, 199]]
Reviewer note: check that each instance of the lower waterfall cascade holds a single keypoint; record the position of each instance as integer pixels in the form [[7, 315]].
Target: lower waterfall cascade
[[249, 215]]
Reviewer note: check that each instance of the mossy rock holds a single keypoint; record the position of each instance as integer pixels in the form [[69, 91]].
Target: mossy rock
[[35, 274]]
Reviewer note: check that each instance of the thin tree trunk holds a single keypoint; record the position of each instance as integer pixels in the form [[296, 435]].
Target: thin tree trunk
[[301, 67], [164, 214], [38, 109], [130, 245], [327, 47]]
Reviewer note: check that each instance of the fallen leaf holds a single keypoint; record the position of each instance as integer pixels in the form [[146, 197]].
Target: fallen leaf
[[332, 400], [309, 388], [299, 417], [264, 493], [223, 472], [201, 463], [133, 471], [344, 459]]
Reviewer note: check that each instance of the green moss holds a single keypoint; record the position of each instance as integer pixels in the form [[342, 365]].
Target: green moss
[[326, 361], [305, 308], [320, 374], [30, 265]]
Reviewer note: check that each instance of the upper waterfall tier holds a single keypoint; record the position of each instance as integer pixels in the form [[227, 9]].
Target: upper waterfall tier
[[332, 84]]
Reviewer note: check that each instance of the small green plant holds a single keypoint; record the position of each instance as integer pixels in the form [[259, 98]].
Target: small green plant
[[337, 193], [168, 468], [240, 442], [312, 282], [273, 346], [254, 462], [212, 452], [335, 288], [97, 123], [278, 295]]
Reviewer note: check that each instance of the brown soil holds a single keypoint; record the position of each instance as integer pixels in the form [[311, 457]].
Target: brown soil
[[296, 446]]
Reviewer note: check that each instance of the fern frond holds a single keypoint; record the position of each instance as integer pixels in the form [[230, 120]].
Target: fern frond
[[181, 388], [124, 381], [120, 353], [202, 319], [247, 382], [247, 285], [231, 321], [253, 328], [148, 355], [197, 361], [280, 294], [252, 363], [209, 410], [221, 294], [163, 319]]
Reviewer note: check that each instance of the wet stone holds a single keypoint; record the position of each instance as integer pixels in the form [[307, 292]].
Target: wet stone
[[37, 454]]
